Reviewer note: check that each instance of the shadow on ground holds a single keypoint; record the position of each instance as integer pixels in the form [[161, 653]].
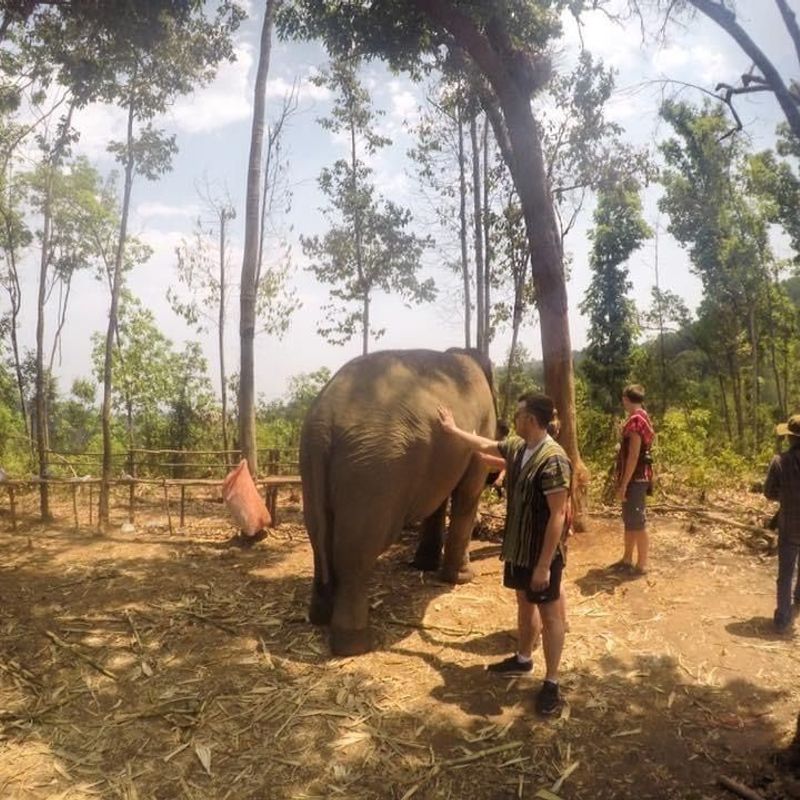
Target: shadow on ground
[[165, 667]]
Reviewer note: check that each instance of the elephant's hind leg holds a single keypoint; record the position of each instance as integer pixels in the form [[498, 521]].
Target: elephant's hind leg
[[320, 609], [356, 549], [456, 567], [428, 557]]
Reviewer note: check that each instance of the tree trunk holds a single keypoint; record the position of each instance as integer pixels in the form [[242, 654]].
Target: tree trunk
[[358, 240], [549, 283], [725, 413], [736, 389], [116, 286], [480, 333], [530, 179], [462, 191], [487, 249], [223, 388], [247, 302], [516, 321], [365, 329], [41, 382], [755, 367]]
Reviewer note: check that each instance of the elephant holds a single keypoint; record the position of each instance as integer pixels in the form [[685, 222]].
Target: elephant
[[374, 459]]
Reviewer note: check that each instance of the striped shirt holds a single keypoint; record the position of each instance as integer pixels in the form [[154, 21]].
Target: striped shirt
[[546, 470]]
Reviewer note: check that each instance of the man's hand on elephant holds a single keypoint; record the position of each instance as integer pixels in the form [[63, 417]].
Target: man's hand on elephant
[[447, 419], [540, 579]]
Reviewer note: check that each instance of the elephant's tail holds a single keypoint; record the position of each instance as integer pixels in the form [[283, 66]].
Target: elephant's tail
[[316, 503]]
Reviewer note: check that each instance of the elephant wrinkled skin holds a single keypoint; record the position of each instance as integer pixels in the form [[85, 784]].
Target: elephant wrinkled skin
[[374, 459]]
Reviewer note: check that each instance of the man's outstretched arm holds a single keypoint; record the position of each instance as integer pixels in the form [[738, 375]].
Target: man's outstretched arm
[[479, 444]]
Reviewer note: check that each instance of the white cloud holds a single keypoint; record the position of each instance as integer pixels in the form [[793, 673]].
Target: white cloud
[[225, 101], [698, 63], [619, 46], [98, 124], [404, 105], [305, 89], [146, 211]]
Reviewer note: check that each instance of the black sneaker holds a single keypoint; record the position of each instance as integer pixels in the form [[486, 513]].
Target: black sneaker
[[511, 666], [548, 701]]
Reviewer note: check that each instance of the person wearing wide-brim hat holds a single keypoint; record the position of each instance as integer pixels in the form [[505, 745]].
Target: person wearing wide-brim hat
[[783, 484]]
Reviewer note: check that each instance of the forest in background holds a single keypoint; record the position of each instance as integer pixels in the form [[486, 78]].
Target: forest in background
[[718, 378]]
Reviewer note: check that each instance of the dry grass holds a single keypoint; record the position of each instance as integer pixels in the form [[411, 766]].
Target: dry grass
[[145, 665]]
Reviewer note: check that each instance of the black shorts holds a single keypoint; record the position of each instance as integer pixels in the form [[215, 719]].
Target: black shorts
[[516, 577]]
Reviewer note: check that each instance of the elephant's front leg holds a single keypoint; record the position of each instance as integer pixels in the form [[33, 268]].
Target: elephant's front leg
[[429, 550]]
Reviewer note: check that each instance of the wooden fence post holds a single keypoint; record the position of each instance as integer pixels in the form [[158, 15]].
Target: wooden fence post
[[13, 502], [75, 504], [183, 503], [91, 503], [132, 473], [166, 503]]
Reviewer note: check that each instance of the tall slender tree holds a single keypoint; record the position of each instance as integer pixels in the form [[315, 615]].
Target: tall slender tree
[[619, 230], [506, 43], [368, 247], [248, 287]]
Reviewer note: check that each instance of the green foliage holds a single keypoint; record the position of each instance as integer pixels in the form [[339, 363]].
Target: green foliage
[[521, 373], [279, 422], [619, 231]]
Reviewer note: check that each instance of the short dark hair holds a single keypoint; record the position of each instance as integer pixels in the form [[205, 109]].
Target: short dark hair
[[634, 392], [540, 406]]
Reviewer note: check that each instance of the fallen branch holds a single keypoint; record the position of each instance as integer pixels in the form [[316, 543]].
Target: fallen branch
[[423, 627], [739, 788], [699, 511], [76, 652]]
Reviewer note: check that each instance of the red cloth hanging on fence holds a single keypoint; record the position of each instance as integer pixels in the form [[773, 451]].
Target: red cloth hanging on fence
[[243, 500]]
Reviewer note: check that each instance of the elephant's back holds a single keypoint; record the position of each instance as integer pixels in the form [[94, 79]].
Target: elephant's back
[[400, 389], [380, 409]]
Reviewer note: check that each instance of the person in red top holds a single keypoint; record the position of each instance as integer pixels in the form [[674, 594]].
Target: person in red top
[[633, 477]]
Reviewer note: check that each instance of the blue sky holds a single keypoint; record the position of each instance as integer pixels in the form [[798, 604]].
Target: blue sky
[[213, 130]]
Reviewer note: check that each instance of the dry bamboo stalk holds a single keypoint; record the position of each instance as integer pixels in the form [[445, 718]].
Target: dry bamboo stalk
[[75, 651]]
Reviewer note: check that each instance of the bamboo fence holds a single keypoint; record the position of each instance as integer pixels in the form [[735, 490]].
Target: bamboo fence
[[280, 473]]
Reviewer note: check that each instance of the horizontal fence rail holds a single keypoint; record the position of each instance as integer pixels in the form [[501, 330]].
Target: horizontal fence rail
[[144, 467]]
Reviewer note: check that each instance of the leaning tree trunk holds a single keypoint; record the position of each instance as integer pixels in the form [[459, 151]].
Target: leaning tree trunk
[[41, 382], [223, 218], [480, 333], [494, 57], [247, 301], [462, 216], [116, 286], [487, 244]]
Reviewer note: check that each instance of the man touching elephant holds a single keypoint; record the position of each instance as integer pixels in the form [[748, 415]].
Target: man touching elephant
[[538, 475]]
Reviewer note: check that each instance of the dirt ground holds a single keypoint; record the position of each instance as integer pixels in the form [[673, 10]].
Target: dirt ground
[[148, 665]]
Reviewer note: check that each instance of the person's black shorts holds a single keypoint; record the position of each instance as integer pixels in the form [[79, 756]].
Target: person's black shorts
[[515, 577]]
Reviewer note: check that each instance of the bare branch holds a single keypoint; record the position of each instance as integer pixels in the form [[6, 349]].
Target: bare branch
[[726, 19]]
